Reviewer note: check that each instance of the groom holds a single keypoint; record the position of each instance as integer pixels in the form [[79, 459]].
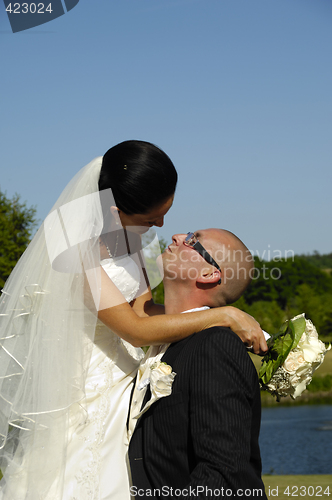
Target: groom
[[201, 439]]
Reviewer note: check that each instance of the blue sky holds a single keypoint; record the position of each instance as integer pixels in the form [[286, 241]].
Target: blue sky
[[237, 92]]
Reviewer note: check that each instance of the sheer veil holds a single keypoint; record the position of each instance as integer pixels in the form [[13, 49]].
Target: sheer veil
[[45, 339]]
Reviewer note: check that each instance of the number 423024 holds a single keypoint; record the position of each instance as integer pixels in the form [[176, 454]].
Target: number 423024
[[306, 491], [32, 8]]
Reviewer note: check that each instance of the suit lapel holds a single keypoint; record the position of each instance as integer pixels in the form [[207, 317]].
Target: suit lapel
[[174, 350], [169, 357]]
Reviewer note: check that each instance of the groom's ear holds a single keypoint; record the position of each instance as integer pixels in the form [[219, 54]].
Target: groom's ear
[[209, 277]]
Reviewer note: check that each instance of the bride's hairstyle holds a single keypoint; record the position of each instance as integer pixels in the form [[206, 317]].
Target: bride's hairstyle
[[139, 174]]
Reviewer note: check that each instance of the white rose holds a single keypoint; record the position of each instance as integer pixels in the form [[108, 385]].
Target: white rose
[[293, 361], [161, 383], [161, 378], [303, 338], [165, 369], [312, 349], [304, 371]]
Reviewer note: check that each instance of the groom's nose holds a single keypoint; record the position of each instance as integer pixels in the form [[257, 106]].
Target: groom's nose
[[178, 239]]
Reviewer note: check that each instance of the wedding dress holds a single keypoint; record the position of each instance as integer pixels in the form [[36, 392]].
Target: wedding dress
[[96, 465], [97, 440]]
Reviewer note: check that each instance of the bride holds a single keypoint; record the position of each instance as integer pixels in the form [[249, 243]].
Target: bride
[[73, 316]]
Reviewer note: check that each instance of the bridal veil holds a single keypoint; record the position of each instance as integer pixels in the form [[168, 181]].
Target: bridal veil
[[45, 338]]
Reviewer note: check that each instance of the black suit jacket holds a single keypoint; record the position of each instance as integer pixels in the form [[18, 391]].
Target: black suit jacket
[[203, 438]]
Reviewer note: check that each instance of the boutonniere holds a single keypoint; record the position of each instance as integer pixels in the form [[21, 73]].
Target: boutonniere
[[161, 378]]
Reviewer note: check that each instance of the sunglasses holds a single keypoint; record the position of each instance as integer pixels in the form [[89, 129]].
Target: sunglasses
[[192, 241]]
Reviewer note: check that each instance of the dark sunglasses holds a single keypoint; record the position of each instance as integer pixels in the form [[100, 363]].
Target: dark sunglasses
[[192, 242]]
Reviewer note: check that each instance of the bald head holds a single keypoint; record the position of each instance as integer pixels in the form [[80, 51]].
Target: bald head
[[236, 263], [192, 280]]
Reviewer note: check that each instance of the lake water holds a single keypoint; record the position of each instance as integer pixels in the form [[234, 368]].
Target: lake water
[[297, 440]]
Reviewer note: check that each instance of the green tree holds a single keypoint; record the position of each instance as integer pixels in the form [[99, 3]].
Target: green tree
[[17, 222], [279, 280], [326, 327], [322, 261]]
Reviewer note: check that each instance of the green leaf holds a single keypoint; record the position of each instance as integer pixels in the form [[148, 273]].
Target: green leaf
[[280, 346]]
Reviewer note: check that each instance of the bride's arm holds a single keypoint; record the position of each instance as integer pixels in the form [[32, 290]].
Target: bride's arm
[[122, 319]]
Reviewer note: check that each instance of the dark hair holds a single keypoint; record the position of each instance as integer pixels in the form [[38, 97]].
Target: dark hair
[[139, 174]]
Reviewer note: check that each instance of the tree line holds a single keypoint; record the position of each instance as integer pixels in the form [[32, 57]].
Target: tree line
[[301, 287]]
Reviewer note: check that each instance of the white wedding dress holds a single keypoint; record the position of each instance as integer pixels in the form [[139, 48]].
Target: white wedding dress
[[96, 457], [96, 467]]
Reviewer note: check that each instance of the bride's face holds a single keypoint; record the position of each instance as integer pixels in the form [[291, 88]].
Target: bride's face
[[140, 223]]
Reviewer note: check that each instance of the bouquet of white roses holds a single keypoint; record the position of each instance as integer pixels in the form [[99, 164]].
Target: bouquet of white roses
[[295, 352]]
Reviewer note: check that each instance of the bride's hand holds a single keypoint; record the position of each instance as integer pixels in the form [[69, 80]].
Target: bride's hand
[[247, 328]]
